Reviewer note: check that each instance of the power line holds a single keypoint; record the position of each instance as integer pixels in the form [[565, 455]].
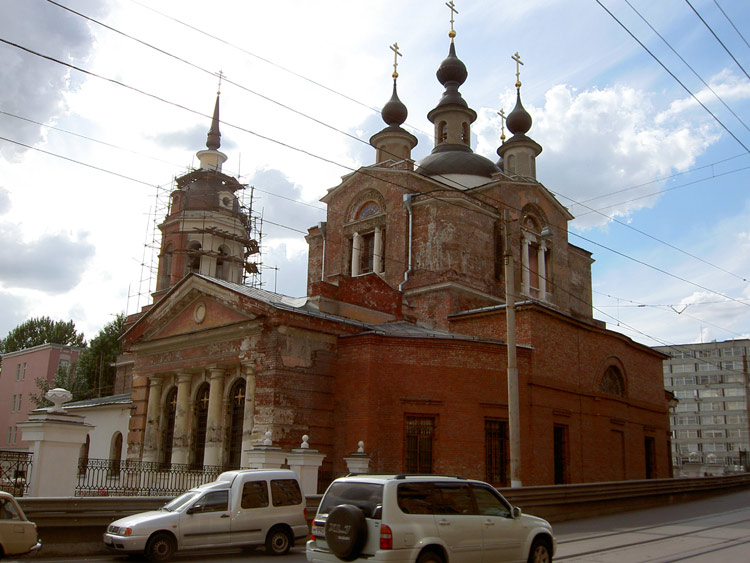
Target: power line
[[673, 76], [732, 24], [688, 65], [717, 39]]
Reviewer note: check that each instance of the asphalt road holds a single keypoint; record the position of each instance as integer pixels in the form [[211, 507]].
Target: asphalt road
[[711, 530]]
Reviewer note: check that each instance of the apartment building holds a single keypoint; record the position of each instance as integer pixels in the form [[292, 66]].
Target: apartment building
[[710, 421]]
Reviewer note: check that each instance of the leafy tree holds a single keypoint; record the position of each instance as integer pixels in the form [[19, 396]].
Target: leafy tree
[[69, 379], [41, 330], [95, 361]]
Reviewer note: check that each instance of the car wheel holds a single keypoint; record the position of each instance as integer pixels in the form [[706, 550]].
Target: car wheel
[[346, 531], [540, 552], [430, 557], [160, 548], [278, 541]]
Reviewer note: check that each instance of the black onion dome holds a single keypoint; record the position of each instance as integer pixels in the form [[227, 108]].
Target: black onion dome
[[519, 120], [452, 69], [456, 159], [394, 111]]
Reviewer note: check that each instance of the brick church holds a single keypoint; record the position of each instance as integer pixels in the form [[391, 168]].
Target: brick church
[[401, 341]]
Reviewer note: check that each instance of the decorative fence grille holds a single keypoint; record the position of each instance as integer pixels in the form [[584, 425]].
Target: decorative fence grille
[[104, 477], [15, 470]]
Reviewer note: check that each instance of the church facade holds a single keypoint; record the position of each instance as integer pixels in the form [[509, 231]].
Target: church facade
[[401, 341]]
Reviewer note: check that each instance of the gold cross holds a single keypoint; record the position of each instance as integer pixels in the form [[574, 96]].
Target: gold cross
[[239, 396], [517, 58], [452, 6], [396, 55], [501, 113], [173, 402], [204, 399]]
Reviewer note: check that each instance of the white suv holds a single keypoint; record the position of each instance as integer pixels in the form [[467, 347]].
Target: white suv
[[424, 519]]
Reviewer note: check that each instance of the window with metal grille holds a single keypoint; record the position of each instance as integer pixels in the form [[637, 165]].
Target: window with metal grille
[[201, 424], [420, 434], [496, 451]]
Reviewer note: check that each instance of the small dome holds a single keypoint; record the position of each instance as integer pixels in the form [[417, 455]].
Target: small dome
[[519, 120], [452, 69], [394, 111], [456, 159]]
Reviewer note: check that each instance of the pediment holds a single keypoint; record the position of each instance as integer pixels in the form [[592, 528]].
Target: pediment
[[194, 305]]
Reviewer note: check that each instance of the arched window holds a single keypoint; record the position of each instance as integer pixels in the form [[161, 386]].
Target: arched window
[[115, 455], [83, 456], [466, 134], [368, 210], [200, 418], [170, 410], [165, 267], [442, 132], [612, 382], [193, 257], [236, 418], [222, 270]]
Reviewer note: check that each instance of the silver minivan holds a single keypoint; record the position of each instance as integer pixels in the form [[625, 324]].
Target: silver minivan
[[241, 508]]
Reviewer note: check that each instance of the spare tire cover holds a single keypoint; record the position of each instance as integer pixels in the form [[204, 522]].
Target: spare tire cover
[[346, 531]]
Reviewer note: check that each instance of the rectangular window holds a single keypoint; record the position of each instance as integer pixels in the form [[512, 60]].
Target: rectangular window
[[15, 433], [732, 351], [709, 393], [420, 434], [735, 365], [667, 368], [734, 378], [737, 433], [734, 392], [711, 447], [707, 379], [708, 366], [712, 420], [736, 419], [685, 434], [735, 405], [667, 382], [561, 453], [717, 406], [684, 380], [683, 368], [10, 434], [254, 494], [18, 372], [686, 419], [650, 449], [285, 492], [496, 452], [18, 406], [686, 393], [23, 372], [686, 407], [713, 433]]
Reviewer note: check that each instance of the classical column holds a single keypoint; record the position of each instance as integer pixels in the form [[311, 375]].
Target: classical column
[[181, 441], [249, 417], [151, 432], [525, 264], [215, 425], [542, 267], [378, 258], [356, 254]]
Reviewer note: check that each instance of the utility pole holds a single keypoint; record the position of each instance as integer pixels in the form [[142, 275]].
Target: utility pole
[[514, 417]]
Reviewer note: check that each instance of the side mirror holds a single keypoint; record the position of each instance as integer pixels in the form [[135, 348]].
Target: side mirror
[[517, 512], [194, 509]]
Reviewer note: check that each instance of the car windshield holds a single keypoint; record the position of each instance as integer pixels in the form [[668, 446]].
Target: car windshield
[[181, 501], [366, 496]]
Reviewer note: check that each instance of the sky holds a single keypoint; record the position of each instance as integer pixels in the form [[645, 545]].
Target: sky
[[104, 102]]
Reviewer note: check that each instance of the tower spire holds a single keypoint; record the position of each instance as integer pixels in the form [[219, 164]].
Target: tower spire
[[213, 158]]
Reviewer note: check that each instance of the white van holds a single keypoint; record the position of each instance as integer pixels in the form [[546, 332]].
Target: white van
[[241, 508]]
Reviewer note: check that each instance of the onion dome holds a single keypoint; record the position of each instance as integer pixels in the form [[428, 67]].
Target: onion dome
[[518, 120], [394, 111], [451, 74]]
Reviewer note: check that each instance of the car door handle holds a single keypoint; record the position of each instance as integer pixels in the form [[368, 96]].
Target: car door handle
[[444, 522], [225, 515], [489, 523]]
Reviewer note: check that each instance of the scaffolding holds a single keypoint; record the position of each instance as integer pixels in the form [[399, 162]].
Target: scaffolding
[[251, 263]]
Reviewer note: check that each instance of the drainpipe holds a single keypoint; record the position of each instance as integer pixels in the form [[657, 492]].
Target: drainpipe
[[322, 228], [407, 202]]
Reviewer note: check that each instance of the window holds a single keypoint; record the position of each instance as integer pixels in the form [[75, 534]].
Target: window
[[667, 382], [713, 434], [442, 132], [732, 351], [709, 393], [23, 372], [707, 379], [167, 439], [369, 209], [732, 366], [452, 498], [649, 445], [165, 267], [686, 434], [737, 433], [734, 378], [560, 453], [83, 456], [415, 498], [367, 256], [18, 372], [285, 492], [8, 511], [236, 419], [115, 455], [686, 407], [612, 382], [496, 452], [18, 406], [735, 405], [712, 447], [216, 501], [686, 393], [420, 434], [193, 257], [200, 416], [707, 366], [734, 392], [683, 368], [736, 419], [686, 419], [222, 270], [684, 380], [712, 419], [254, 494], [666, 368]]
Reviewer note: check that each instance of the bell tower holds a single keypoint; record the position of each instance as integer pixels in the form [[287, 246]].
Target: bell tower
[[206, 231]]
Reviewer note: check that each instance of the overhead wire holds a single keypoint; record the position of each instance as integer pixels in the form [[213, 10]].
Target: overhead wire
[[732, 24], [231, 125], [318, 121]]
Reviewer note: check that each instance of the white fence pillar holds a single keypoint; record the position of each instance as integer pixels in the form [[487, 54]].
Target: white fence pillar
[[306, 463]]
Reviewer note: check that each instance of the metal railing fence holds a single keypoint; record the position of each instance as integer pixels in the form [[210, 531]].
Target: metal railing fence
[[15, 470]]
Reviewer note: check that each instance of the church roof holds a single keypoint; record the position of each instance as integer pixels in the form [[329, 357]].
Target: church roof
[[120, 399]]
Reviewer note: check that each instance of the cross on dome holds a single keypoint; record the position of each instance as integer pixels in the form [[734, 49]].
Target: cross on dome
[[517, 58], [452, 6], [396, 55]]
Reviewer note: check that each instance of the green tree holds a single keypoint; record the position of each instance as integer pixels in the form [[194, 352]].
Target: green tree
[[69, 379], [95, 361], [41, 330]]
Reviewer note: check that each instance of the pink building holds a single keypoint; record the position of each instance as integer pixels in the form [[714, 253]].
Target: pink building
[[20, 370]]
